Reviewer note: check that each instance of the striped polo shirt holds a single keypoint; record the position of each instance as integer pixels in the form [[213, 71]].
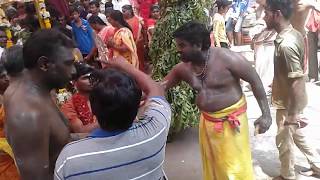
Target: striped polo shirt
[[137, 153]]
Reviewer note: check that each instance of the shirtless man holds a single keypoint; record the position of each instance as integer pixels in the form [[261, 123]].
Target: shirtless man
[[215, 74], [301, 11], [35, 128]]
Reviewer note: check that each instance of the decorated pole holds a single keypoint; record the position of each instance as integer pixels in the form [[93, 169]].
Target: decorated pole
[[5, 23], [43, 14], [164, 56]]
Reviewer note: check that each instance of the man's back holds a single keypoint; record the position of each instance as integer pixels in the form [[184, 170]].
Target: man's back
[[137, 153], [33, 124]]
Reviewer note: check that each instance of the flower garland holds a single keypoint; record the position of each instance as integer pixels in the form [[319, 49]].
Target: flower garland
[[82, 108]]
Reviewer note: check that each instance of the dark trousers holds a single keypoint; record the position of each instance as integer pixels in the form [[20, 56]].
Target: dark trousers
[[223, 45]]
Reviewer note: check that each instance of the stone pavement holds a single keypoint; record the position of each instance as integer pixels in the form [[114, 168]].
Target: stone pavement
[[183, 161]]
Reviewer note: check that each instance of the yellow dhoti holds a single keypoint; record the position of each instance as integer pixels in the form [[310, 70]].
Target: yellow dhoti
[[224, 144]]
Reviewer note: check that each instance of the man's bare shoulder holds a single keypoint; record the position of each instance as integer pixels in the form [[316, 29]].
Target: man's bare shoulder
[[23, 109], [226, 56]]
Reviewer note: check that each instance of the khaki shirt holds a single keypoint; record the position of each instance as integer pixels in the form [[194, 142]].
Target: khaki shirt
[[288, 63]]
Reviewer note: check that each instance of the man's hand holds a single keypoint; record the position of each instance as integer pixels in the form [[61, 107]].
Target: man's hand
[[263, 123], [292, 118]]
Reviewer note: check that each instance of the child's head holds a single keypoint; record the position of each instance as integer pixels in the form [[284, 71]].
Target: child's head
[[223, 5], [75, 12]]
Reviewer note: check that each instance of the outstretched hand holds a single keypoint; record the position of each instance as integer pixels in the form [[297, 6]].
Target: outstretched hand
[[262, 124]]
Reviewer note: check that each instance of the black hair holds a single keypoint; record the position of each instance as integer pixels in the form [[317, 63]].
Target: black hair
[[118, 16], [108, 5], [75, 8], [223, 3], [195, 33], [155, 6], [95, 3], [44, 43], [82, 69], [128, 8], [285, 7], [12, 60], [30, 8], [115, 99], [94, 19]]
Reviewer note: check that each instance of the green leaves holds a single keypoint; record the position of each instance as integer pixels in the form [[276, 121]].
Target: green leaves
[[164, 56]]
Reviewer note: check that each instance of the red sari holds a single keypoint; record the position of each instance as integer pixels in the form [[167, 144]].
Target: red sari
[[8, 168], [136, 25], [78, 107]]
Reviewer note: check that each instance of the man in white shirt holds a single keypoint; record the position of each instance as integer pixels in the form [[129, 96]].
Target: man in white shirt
[[117, 4], [95, 10]]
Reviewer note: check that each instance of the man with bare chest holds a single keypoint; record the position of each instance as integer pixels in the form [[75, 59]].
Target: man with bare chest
[[301, 11], [215, 74], [35, 128]]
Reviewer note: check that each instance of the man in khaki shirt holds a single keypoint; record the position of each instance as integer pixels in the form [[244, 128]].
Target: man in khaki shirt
[[289, 91]]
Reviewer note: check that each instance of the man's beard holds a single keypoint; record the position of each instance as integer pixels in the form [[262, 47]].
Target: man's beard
[[191, 56]]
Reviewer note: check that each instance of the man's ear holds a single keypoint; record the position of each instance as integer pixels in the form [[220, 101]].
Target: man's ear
[[43, 63]]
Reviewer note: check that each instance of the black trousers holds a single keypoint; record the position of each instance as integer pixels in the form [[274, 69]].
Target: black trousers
[[223, 45]]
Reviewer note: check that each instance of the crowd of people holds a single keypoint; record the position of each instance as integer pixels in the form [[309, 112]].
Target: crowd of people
[[115, 123]]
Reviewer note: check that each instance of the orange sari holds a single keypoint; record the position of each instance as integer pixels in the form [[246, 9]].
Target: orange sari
[[125, 36], [8, 168], [136, 25]]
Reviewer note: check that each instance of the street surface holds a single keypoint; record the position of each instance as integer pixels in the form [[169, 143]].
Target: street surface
[[183, 161]]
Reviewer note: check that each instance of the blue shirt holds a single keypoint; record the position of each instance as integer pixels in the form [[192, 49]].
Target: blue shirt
[[83, 36], [240, 6]]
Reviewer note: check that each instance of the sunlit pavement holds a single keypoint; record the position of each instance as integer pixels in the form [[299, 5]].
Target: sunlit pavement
[[183, 161]]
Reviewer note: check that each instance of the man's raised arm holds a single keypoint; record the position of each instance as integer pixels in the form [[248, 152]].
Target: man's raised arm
[[145, 82]]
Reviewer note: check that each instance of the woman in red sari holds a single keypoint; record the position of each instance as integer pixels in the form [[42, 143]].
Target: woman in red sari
[[77, 109]]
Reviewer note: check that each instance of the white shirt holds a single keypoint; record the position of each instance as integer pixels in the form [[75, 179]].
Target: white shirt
[[1, 51], [117, 4], [102, 16]]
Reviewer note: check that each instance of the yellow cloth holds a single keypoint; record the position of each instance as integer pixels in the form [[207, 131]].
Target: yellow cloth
[[226, 155], [219, 29], [125, 36]]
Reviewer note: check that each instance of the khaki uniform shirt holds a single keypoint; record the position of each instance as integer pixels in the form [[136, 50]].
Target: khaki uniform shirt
[[288, 63]]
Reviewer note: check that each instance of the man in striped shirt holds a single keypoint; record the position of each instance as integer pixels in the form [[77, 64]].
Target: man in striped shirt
[[122, 149]]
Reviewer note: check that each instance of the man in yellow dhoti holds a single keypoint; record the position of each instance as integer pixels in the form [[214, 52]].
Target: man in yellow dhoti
[[215, 73]]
